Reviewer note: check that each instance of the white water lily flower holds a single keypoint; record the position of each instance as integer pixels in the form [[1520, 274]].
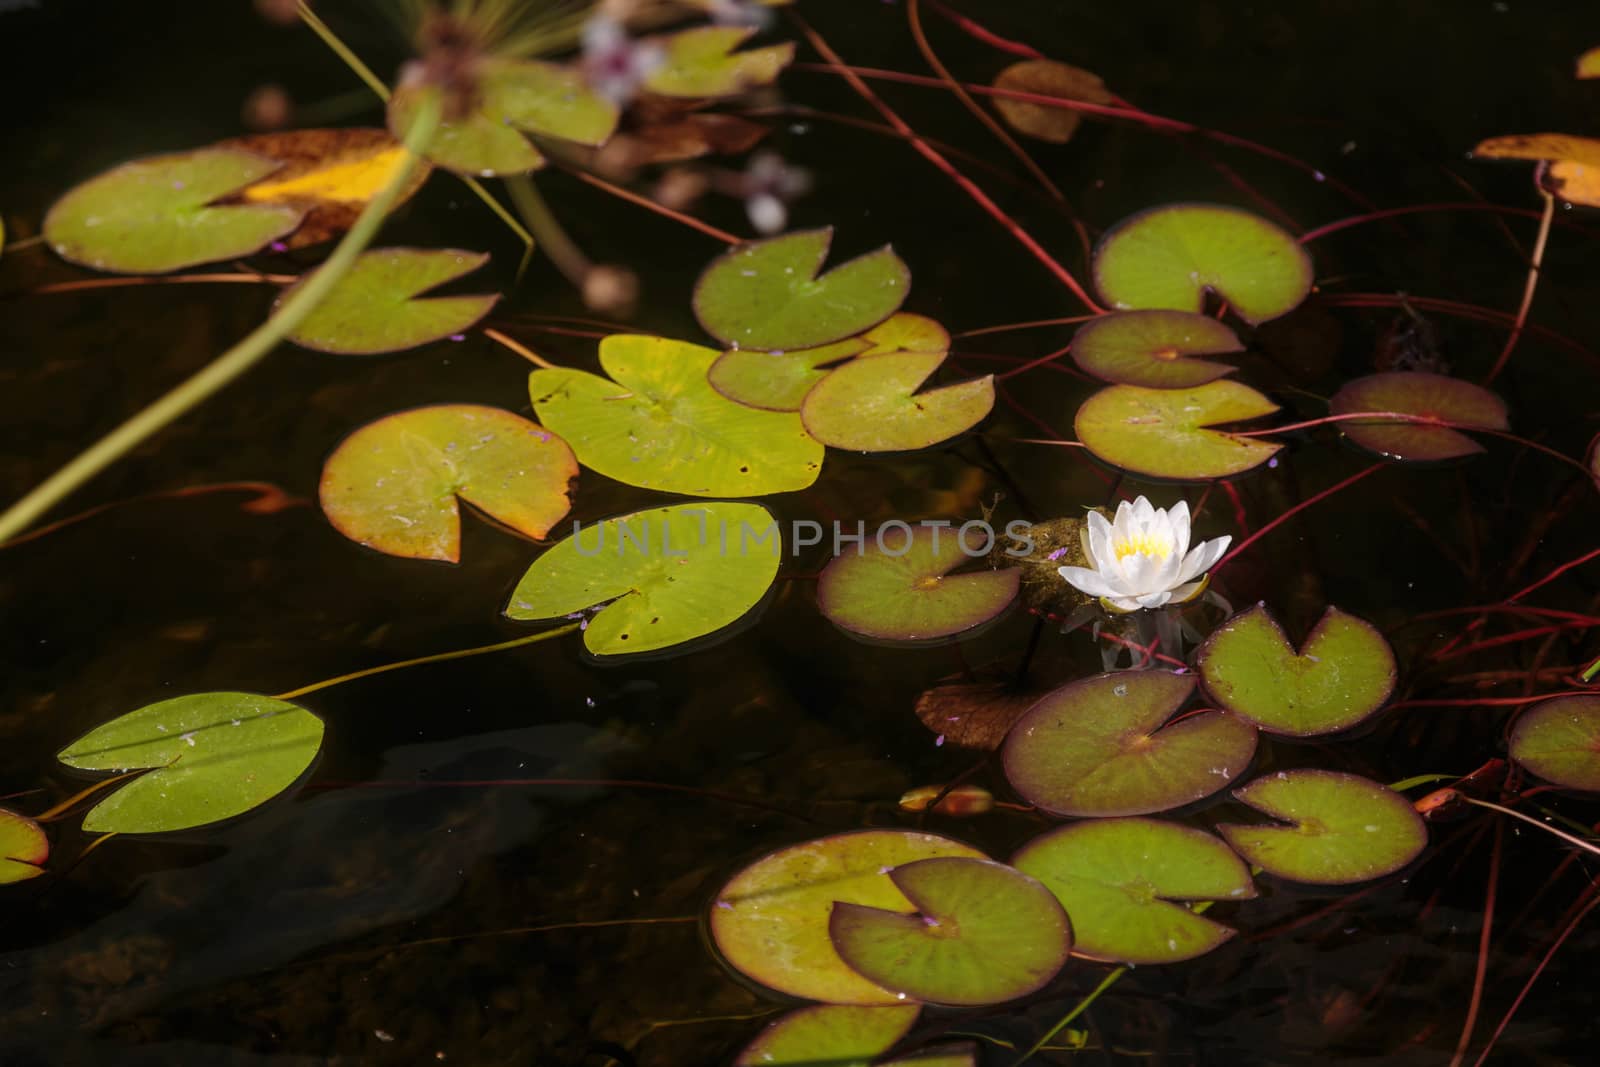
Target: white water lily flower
[[1142, 558]]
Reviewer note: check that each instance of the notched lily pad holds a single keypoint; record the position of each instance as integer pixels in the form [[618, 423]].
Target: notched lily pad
[[899, 587], [374, 308], [1343, 674], [1343, 828], [1169, 257], [1417, 393], [871, 404], [23, 848], [328, 174], [393, 484], [839, 1035], [702, 62], [778, 381], [161, 214], [1047, 77], [770, 921], [214, 756], [1559, 740], [1123, 882], [1097, 747], [983, 933], [1162, 433], [660, 425], [1153, 348], [768, 294], [665, 576]]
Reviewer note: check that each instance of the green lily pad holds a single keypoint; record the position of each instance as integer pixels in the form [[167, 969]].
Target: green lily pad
[[906, 332], [1096, 747], [1345, 828], [515, 97], [770, 921], [778, 381], [1431, 396], [660, 424], [871, 404], [23, 848], [1341, 676], [899, 587], [160, 214], [701, 62], [666, 575], [1121, 880], [372, 309], [393, 484], [214, 756], [1161, 433], [983, 933], [1152, 348], [839, 1035], [1168, 257], [768, 295], [1559, 740]]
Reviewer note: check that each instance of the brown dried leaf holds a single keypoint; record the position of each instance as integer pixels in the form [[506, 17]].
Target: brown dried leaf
[[1046, 77]]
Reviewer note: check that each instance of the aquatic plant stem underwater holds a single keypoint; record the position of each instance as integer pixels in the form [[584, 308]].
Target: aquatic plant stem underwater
[[242, 356]]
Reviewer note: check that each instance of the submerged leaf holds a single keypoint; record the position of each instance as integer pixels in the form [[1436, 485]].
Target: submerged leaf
[[1430, 396], [393, 484], [23, 848], [702, 62], [660, 424], [1559, 740], [160, 214], [768, 294], [871, 404], [840, 1035], [1168, 257], [1151, 348], [665, 576], [1162, 433], [374, 309], [214, 756], [1047, 77]]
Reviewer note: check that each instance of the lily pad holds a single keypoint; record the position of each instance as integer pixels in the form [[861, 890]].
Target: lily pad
[[214, 756], [1575, 183], [899, 587], [1430, 396], [1169, 257], [871, 404], [1122, 881], [778, 381], [702, 62], [1541, 146], [328, 174], [1161, 433], [1559, 740], [984, 933], [770, 921], [768, 295], [1096, 747], [839, 1035], [665, 576], [1341, 676], [660, 424], [1047, 77], [1151, 348], [974, 714], [373, 308], [393, 484], [1344, 828], [161, 214], [23, 848], [515, 97]]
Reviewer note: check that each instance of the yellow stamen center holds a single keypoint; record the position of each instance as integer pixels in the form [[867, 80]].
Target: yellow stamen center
[[1143, 544]]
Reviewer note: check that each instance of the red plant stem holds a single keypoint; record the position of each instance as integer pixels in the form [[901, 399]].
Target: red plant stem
[[1417, 209], [269, 499], [1555, 946], [1279, 520], [1508, 608], [163, 279], [1483, 945], [1456, 308], [1506, 639], [1240, 517], [1553, 575], [987, 36], [1534, 264], [1041, 361], [927, 151], [650, 205], [1422, 420], [1490, 702], [1006, 327], [1050, 441]]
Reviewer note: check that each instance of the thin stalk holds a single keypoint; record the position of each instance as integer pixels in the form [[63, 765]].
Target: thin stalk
[[236, 360], [561, 249], [519, 348], [1083, 1005], [1534, 264], [1587, 846]]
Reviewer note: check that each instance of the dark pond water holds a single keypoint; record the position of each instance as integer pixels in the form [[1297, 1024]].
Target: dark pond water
[[386, 915]]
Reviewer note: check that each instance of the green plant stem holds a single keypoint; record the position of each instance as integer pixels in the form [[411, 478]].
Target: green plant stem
[[562, 250], [437, 657], [1083, 1005], [236, 360]]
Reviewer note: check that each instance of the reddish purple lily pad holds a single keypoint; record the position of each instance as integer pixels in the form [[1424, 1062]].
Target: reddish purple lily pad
[[899, 587], [1097, 747], [983, 933], [1559, 740], [1153, 348], [1423, 395]]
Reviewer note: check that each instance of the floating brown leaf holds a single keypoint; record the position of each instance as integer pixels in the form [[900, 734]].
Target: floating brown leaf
[[1046, 77]]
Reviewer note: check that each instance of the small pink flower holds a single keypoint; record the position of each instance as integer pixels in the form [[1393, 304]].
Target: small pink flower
[[614, 64]]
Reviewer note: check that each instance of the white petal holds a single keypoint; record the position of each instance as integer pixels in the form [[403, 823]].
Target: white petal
[[1098, 547], [1086, 580], [1168, 573], [1139, 573], [1185, 593], [1122, 603], [1144, 512], [1203, 557], [1153, 600], [1180, 527]]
